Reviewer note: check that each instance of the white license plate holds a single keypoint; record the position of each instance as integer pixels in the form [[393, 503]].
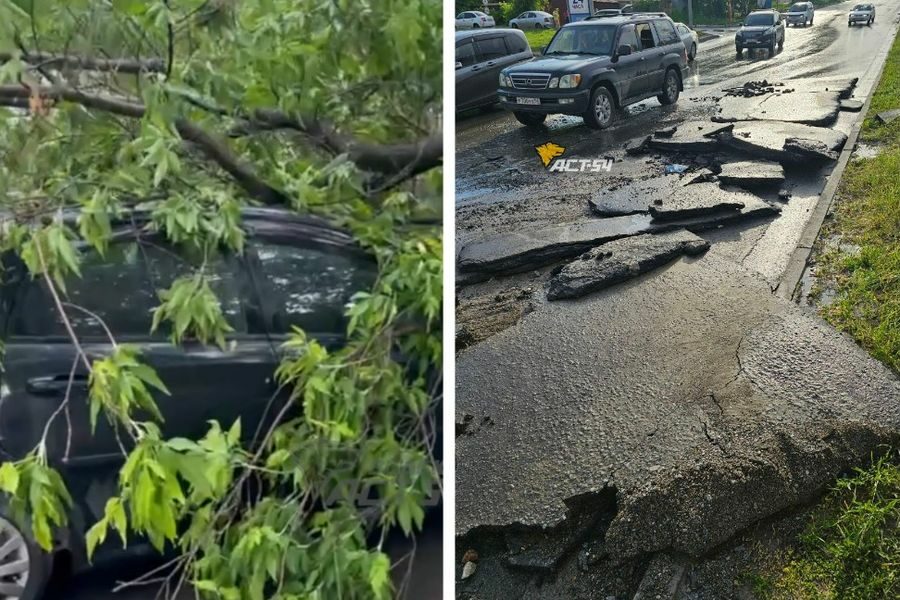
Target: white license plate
[[535, 101]]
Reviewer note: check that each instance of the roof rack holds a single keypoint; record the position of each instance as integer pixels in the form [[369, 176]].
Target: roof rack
[[635, 14]]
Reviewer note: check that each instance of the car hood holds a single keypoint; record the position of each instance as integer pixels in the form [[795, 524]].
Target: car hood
[[563, 63], [755, 29]]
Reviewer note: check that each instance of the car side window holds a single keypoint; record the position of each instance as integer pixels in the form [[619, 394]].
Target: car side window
[[490, 48], [644, 35], [627, 37], [516, 44], [309, 286], [465, 54], [120, 291], [666, 32]]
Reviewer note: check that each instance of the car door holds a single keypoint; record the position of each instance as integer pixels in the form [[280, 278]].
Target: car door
[[492, 56], [648, 58], [467, 70], [668, 47], [628, 67]]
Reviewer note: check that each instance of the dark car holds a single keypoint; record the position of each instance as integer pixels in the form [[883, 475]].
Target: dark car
[[295, 271], [761, 29], [595, 66], [480, 56]]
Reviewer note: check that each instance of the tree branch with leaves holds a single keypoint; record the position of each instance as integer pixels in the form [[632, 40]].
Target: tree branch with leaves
[[204, 107]]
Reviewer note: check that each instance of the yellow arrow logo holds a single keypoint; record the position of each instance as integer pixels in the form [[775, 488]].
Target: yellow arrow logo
[[548, 152]]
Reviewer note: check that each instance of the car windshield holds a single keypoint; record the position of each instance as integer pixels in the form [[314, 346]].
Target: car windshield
[[797, 8], [583, 39], [759, 20], [862, 7]]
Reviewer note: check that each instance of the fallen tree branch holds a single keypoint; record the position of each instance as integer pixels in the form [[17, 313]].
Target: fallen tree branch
[[85, 63], [213, 148], [404, 160]]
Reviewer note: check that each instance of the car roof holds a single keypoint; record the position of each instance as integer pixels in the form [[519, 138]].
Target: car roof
[[763, 12], [618, 19], [470, 33]]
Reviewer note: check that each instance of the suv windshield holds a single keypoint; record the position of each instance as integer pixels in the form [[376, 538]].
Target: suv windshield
[[759, 20], [862, 7], [797, 8], [583, 39]]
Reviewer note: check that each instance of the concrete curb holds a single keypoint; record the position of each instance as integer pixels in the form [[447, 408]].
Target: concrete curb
[[789, 285]]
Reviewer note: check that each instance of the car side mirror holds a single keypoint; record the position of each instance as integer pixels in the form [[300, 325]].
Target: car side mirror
[[458, 65], [624, 50]]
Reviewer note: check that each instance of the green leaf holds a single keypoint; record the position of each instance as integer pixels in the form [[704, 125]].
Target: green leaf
[[9, 478]]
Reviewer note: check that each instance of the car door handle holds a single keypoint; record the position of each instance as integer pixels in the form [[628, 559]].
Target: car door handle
[[476, 68], [55, 385], [491, 64]]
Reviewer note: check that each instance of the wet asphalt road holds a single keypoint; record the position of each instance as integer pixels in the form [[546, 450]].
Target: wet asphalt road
[[828, 49]]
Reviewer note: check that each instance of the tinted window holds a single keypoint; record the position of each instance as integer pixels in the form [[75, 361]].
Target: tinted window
[[628, 38], [666, 32], [490, 49], [645, 35], [122, 290], [309, 287], [465, 54], [583, 39], [758, 20], [516, 44]]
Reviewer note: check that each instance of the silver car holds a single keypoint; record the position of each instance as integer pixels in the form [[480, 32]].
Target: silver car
[[690, 38], [533, 19], [800, 13], [474, 19], [862, 13]]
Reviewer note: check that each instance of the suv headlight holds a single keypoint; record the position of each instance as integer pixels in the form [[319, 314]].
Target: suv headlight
[[570, 81], [505, 80]]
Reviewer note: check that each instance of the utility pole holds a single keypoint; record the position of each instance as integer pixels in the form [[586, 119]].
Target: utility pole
[[690, 13]]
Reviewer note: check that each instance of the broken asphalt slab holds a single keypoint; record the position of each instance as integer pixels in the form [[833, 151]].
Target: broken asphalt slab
[[806, 102], [776, 141], [752, 173], [740, 406], [888, 116], [621, 260], [667, 197], [514, 252], [691, 136]]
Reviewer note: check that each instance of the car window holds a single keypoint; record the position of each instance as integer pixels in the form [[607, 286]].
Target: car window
[[516, 44], [465, 54], [645, 36], [665, 30], [628, 38], [121, 290], [759, 19], [593, 39], [310, 286], [490, 48]]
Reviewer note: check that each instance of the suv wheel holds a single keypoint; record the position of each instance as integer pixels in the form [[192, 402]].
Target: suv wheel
[[24, 568], [772, 49], [514, 25], [670, 88], [693, 53], [530, 119], [538, 26], [601, 110], [739, 51]]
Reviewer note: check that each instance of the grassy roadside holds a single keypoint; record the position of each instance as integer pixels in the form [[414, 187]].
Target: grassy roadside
[[860, 257], [850, 549], [538, 38]]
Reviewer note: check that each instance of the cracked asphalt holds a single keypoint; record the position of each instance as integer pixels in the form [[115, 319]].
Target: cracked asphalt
[[706, 402]]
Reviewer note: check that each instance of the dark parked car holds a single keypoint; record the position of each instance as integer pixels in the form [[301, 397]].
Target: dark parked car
[[593, 67], [480, 56], [294, 271], [761, 29]]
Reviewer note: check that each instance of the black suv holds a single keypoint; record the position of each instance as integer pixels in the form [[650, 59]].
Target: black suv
[[761, 29], [295, 271], [595, 66]]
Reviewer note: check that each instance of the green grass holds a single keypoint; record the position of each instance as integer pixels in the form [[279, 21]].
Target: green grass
[[538, 38], [850, 549], [867, 215]]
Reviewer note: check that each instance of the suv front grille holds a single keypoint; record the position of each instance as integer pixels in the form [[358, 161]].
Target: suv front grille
[[530, 81]]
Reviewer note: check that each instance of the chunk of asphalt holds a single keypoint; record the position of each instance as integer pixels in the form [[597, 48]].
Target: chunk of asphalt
[[888, 116], [851, 105], [666, 132], [752, 173], [632, 197], [696, 200], [701, 176], [520, 251], [639, 146], [767, 139], [662, 579], [809, 103], [691, 136], [813, 150], [621, 260]]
